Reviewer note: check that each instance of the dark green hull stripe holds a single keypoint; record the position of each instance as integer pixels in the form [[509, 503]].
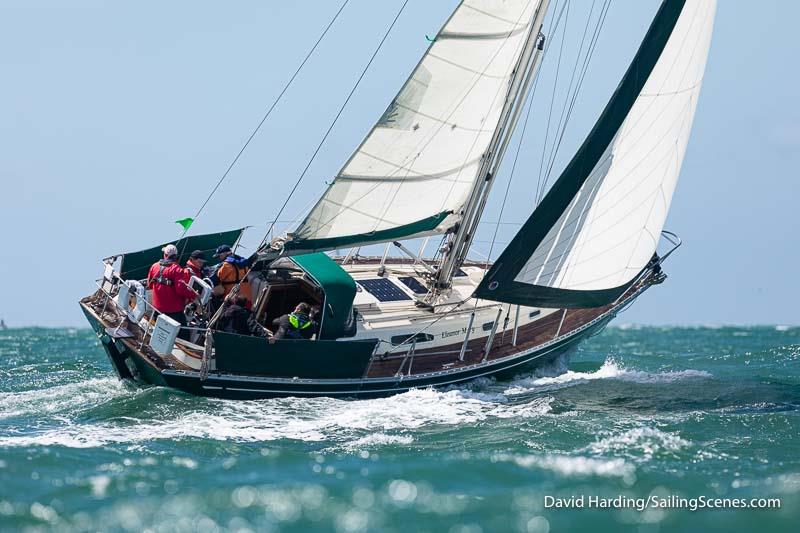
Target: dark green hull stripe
[[502, 274], [400, 232]]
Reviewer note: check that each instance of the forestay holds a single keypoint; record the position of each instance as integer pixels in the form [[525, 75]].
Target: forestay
[[414, 170], [599, 225]]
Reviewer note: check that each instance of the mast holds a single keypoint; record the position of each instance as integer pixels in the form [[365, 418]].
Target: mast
[[526, 69]]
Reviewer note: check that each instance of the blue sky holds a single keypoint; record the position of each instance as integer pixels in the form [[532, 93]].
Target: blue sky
[[117, 118]]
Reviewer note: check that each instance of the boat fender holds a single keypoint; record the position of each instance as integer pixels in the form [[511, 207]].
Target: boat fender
[[203, 287]]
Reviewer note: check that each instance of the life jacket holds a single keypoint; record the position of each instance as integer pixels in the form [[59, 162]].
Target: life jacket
[[298, 323], [234, 281], [232, 272], [160, 278], [168, 281]]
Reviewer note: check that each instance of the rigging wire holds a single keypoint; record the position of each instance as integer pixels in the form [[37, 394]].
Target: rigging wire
[[571, 81], [235, 289], [564, 6], [333, 123], [267, 114], [513, 168], [581, 77], [584, 68]]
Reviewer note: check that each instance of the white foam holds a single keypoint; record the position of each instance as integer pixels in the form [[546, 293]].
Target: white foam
[[644, 441], [348, 423], [379, 439], [610, 370], [569, 465]]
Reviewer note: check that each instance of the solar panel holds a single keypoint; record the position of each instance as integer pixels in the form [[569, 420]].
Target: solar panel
[[414, 285], [384, 290]]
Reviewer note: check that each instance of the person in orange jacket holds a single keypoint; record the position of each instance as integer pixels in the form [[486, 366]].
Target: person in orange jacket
[[232, 270], [169, 283]]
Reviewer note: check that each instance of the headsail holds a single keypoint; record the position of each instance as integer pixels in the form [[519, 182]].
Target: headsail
[[599, 224], [414, 170]]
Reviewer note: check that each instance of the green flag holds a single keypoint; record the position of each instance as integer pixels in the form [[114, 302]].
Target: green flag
[[185, 222]]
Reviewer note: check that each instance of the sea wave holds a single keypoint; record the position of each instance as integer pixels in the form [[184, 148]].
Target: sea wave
[[379, 439], [351, 424], [61, 398], [570, 465], [644, 442], [611, 369]]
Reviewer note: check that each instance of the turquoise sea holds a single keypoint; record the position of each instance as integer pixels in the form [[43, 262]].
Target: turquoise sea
[[665, 413]]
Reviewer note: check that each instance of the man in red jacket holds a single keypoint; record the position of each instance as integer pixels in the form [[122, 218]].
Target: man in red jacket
[[168, 280]]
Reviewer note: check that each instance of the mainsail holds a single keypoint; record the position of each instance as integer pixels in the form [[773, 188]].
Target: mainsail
[[415, 169], [599, 225]]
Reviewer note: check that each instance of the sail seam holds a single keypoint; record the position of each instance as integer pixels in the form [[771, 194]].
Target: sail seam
[[441, 121], [466, 68], [491, 15]]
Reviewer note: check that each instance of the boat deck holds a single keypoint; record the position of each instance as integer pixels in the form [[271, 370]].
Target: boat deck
[[108, 314]]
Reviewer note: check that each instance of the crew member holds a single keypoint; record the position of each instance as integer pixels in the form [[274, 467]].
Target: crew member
[[236, 318], [196, 264], [231, 272], [295, 325], [169, 283]]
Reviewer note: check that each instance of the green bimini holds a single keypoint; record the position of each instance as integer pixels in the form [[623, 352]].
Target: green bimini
[[339, 289]]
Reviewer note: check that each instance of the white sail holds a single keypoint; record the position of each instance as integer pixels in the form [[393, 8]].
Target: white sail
[[414, 170], [608, 229]]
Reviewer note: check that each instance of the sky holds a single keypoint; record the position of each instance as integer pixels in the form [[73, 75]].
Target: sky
[[117, 118]]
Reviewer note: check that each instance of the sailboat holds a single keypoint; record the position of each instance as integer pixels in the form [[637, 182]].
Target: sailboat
[[589, 248]]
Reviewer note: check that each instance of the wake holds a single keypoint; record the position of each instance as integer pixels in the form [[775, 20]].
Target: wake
[[153, 415]]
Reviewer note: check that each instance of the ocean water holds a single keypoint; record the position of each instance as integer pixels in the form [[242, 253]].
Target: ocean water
[[692, 413]]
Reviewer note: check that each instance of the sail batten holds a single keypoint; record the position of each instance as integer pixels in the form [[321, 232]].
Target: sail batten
[[420, 160], [597, 228]]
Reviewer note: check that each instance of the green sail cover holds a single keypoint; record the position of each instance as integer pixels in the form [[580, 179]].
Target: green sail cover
[[339, 288], [419, 228], [527, 271], [135, 265]]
